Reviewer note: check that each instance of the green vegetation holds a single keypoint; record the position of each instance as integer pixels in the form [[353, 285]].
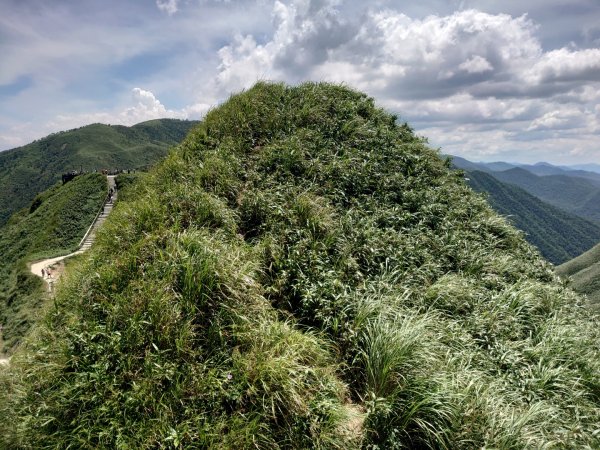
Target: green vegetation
[[126, 184], [303, 272], [576, 195], [584, 271], [29, 170], [558, 235], [52, 225]]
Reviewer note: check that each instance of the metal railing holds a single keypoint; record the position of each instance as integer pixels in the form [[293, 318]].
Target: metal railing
[[106, 200]]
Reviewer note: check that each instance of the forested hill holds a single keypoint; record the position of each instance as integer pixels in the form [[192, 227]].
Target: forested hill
[[304, 272], [33, 168], [558, 235]]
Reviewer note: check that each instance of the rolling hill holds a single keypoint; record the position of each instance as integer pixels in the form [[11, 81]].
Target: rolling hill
[[33, 168], [584, 270], [304, 272], [558, 235], [52, 225]]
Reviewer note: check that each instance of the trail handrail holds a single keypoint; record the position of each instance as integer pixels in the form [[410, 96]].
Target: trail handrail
[[94, 221]]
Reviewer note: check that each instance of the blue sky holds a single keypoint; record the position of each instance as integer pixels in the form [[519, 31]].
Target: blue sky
[[487, 80]]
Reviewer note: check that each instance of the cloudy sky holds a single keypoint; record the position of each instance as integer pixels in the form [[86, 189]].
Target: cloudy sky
[[489, 80]]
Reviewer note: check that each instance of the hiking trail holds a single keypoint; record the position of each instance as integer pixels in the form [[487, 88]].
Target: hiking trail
[[52, 267]]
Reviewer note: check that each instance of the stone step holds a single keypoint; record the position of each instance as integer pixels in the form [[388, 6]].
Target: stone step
[[106, 210]]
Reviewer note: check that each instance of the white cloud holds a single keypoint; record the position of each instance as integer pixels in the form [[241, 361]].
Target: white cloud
[[387, 54], [476, 64], [566, 65], [196, 111], [168, 6], [441, 73], [146, 107]]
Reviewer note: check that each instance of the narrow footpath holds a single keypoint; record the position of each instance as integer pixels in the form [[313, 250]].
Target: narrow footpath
[[51, 269]]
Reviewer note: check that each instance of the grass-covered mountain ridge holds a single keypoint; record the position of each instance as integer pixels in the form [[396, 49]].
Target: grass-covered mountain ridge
[[26, 171], [304, 272]]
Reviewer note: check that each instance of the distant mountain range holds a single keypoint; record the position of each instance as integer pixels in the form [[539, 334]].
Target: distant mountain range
[[588, 171], [28, 170], [557, 207]]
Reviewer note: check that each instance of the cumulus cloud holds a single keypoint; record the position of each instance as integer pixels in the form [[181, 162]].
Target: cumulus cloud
[[146, 107], [566, 65], [168, 6], [468, 67], [476, 64], [558, 120]]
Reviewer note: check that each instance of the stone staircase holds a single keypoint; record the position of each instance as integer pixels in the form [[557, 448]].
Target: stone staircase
[[90, 235]]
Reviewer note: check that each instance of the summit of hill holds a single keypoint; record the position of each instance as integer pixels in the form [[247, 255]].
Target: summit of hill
[[304, 272]]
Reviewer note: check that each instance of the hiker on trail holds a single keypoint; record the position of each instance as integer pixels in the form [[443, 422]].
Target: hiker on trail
[[43, 273]]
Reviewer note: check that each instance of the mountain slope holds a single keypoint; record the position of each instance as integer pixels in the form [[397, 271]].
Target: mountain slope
[[303, 272], [558, 235], [28, 170], [585, 273], [573, 194], [53, 225]]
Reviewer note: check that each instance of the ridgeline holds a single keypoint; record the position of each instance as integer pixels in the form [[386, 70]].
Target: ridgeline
[[304, 272]]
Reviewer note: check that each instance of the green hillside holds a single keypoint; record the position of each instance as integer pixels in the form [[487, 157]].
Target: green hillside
[[52, 225], [558, 235], [304, 272], [28, 170], [573, 194], [585, 274]]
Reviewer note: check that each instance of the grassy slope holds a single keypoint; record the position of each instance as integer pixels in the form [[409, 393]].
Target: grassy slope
[[573, 194], [585, 273], [28, 170], [52, 225], [302, 272], [558, 235]]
